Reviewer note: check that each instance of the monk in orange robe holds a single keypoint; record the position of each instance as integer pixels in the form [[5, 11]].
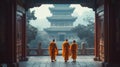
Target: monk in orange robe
[[66, 50], [74, 49], [53, 50]]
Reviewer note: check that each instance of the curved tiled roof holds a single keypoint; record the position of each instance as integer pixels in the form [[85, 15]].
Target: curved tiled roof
[[61, 9], [59, 29], [61, 17]]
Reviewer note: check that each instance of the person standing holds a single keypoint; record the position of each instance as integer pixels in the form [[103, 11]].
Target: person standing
[[53, 50], [74, 49], [66, 50]]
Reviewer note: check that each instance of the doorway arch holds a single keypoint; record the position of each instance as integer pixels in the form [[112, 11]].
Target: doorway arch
[[103, 9]]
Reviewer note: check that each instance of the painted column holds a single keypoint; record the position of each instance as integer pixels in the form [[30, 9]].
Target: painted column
[[96, 38]]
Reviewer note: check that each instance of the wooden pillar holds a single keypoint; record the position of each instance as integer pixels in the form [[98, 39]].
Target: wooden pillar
[[8, 54], [99, 20], [21, 30], [24, 44], [117, 20], [11, 34], [106, 30], [95, 46], [112, 50], [3, 23], [96, 38], [11, 29], [116, 32]]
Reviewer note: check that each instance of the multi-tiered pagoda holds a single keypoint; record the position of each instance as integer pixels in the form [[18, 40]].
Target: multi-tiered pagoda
[[61, 23]]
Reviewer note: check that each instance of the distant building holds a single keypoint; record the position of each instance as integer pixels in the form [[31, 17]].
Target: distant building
[[61, 23]]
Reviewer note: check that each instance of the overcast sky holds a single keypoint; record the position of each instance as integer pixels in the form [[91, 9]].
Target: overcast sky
[[42, 12]]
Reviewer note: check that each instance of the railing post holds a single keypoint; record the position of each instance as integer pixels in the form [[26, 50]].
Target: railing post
[[39, 49], [28, 51], [83, 49]]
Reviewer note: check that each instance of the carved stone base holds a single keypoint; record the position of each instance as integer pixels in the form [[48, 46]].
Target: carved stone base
[[105, 64], [0, 65], [24, 59], [12, 65], [96, 59]]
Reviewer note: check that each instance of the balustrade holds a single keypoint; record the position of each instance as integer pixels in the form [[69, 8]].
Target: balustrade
[[44, 51]]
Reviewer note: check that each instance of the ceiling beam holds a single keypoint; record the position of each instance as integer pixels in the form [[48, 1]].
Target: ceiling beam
[[36, 3]]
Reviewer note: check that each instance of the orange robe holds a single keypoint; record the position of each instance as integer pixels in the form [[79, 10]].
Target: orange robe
[[74, 49], [66, 50], [53, 51]]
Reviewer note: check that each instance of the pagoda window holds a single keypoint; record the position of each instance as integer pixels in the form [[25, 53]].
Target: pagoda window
[[60, 24], [61, 37], [65, 24], [53, 24]]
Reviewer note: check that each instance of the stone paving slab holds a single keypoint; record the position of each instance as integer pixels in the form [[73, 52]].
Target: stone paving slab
[[44, 61]]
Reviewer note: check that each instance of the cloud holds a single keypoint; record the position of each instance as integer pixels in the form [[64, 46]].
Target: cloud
[[40, 23], [42, 12]]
